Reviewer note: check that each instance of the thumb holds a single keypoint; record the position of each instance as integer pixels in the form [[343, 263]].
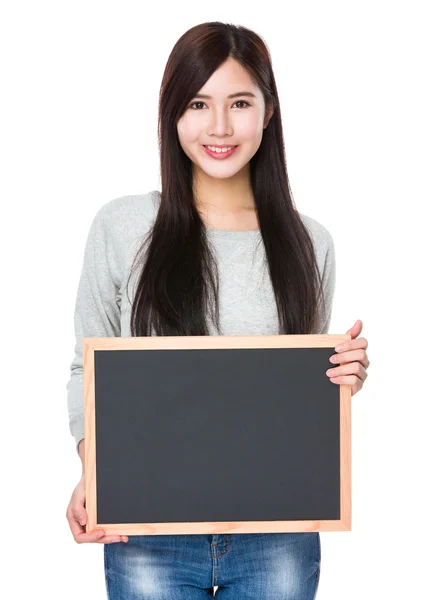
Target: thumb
[[355, 329], [81, 513]]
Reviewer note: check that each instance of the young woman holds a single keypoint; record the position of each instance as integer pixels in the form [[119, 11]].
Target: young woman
[[220, 251]]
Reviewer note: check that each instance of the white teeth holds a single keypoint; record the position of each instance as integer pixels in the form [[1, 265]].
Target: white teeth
[[219, 150]]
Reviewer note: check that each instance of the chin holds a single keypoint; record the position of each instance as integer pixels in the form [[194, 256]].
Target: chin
[[220, 173]]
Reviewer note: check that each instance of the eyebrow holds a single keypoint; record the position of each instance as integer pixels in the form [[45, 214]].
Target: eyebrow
[[249, 94]]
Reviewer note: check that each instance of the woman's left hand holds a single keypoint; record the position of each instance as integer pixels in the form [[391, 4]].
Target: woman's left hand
[[353, 361]]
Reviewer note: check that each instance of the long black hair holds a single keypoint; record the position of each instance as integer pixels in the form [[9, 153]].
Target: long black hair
[[178, 284]]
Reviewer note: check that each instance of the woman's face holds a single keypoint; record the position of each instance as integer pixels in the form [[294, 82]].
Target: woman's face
[[220, 120]]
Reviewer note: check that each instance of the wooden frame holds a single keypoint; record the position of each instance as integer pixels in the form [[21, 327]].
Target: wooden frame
[[205, 342]]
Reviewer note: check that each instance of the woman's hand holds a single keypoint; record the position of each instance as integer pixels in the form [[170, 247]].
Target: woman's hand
[[76, 514], [353, 361]]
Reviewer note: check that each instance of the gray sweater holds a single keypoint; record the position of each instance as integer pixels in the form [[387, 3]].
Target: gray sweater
[[247, 302]]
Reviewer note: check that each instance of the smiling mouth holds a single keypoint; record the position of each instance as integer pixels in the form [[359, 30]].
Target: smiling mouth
[[220, 153]]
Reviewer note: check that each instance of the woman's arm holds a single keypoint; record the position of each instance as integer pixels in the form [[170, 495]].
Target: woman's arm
[[329, 282], [96, 312]]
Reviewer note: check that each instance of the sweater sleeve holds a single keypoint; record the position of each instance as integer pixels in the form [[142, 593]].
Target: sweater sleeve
[[96, 313], [329, 281]]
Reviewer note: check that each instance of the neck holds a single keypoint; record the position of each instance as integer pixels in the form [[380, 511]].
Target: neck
[[229, 196], [226, 204]]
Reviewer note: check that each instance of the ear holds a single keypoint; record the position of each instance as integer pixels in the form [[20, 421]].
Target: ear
[[268, 116]]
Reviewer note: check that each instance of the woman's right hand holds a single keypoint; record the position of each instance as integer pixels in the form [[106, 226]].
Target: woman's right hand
[[76, 514]]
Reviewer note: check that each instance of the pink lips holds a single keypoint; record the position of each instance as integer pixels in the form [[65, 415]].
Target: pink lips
[[220, 155]]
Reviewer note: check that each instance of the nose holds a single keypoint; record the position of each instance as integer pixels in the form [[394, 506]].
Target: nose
[[220, 123]]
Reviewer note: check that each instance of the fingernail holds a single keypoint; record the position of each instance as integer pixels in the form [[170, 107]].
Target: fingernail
[[340, 347]]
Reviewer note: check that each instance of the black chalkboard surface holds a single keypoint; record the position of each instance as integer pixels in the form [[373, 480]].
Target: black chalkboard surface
[[216, 434]]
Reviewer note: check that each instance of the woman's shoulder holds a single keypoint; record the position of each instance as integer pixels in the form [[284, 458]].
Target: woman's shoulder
[[125, 219], [320, 234], [121, 223], [125, 209]]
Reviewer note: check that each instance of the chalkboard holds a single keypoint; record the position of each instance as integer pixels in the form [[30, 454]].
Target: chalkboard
[[216, 434]]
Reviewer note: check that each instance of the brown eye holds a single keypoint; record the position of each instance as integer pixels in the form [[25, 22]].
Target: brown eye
[[244, 102], [238, 102]]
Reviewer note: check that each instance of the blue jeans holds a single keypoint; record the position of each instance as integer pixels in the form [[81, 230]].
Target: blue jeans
[[254, 566]]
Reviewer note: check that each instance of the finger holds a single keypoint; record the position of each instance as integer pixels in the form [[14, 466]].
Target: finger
[[352, 368], [78, 531], [86, 538], [352, 344], [354, 383], [116, 537], [358, 326], [98, 536], [350, 380], [79, 513], [351, 356], [111, 539]]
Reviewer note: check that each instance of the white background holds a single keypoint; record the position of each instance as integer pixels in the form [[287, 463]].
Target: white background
[[79, 127]]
